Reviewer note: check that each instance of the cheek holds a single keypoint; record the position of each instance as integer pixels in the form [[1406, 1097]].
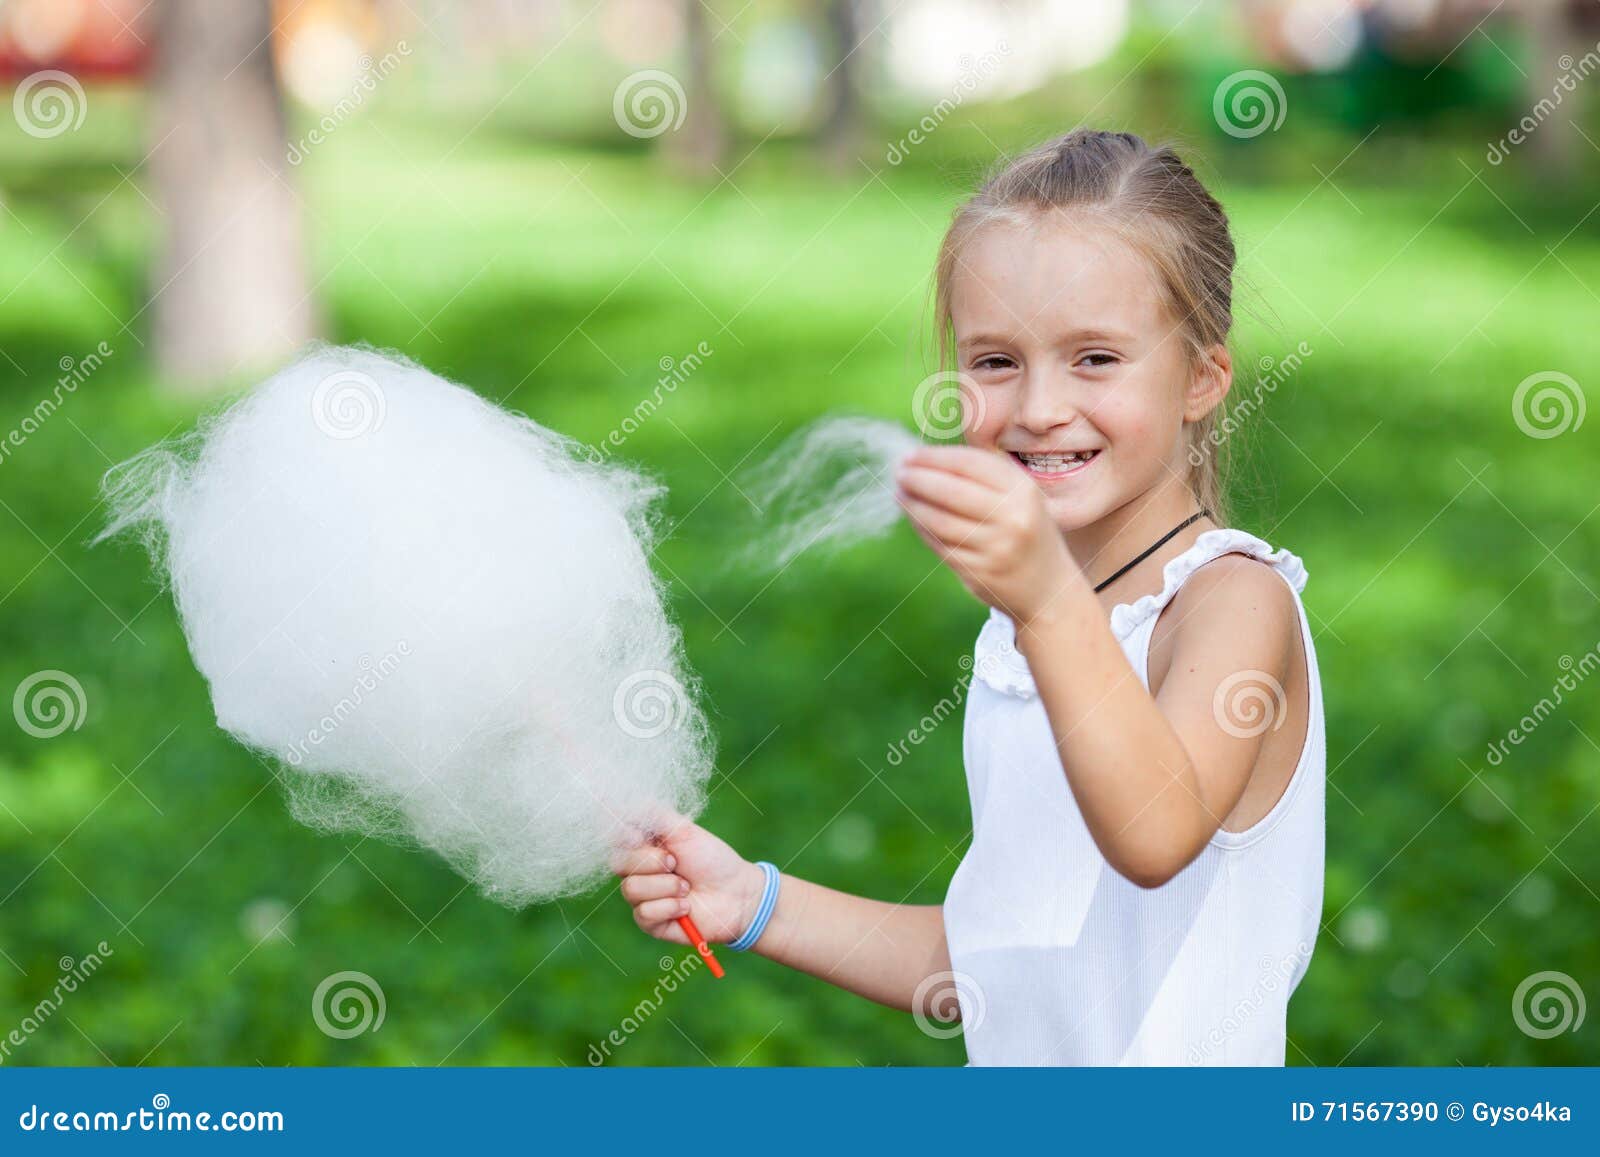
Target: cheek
[[984, 414], [1138, 418], [1124, 421]]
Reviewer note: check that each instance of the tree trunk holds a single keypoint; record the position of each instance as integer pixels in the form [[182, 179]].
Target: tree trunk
[[1548, 27], [841, 128], [701, 146], [230, 294]]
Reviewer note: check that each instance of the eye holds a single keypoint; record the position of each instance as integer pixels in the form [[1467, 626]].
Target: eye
[[1098, 359], [992, 362]]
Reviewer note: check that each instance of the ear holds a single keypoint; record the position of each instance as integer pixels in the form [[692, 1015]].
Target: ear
[[1209, 382]]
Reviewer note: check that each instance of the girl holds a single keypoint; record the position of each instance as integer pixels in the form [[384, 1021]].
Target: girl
[[1144, 735]]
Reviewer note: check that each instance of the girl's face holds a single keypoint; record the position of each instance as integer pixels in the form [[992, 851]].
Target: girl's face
[[1081, 373]]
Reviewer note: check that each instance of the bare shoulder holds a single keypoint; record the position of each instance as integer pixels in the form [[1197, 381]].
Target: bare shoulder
[[1236, 606]]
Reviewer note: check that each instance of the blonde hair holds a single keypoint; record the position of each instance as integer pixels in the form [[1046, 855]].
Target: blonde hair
[[1154, 203]]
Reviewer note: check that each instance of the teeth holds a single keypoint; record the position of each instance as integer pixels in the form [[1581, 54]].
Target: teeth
[[1049, 463]]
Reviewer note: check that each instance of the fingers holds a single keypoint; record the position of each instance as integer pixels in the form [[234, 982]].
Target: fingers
[[667, 930], [954, 492], [950, 530], [658, 899], [644, 859], [989, 467], [664, 823], [654, 887], [653, 912]]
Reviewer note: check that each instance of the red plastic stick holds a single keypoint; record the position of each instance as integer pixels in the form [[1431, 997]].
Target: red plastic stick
[[700, 946]]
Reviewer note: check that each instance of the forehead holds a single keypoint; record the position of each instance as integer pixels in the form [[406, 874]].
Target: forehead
[[1049, 273]]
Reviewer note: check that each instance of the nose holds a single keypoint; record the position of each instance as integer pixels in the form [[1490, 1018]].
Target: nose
[[1044, 404]]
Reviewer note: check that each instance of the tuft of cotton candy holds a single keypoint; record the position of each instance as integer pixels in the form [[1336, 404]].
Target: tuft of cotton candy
[[827, 486], [436, 615]]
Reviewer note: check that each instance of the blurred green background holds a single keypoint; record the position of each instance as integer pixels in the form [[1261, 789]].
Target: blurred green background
[[484, 208]]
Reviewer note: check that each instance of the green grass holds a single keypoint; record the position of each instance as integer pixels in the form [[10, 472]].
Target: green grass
[[557, 281]]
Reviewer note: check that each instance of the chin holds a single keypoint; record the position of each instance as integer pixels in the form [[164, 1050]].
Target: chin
[[1072, 514]]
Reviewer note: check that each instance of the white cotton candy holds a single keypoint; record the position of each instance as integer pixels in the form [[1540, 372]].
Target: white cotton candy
[[830, 485], [436, 614]]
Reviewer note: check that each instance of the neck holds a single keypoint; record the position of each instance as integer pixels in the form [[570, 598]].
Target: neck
[[1107, 544]]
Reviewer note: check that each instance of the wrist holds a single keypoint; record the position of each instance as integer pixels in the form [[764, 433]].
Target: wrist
[[752, 884], [1062, 603], [771, 879]]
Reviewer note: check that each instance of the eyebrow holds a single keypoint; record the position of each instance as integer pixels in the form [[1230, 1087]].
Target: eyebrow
[[1089, 333]]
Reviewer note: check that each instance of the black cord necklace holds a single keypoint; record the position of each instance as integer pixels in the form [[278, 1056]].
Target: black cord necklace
[[1154, 546]]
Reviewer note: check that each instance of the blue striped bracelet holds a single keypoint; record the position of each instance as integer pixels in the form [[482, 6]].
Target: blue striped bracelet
[[769, 901]]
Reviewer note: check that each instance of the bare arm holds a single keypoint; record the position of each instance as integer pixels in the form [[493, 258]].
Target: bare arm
[[878, 950], [874, 949], [1154, 776]]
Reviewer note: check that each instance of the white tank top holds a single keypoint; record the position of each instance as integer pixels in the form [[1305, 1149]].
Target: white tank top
[[1060, 960]]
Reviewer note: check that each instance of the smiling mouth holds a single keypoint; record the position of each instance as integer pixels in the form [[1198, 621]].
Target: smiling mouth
[[1054, 466]]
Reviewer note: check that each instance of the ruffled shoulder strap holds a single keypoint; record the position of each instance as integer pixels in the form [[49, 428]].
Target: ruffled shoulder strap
[[998, 663], [1126, 617]]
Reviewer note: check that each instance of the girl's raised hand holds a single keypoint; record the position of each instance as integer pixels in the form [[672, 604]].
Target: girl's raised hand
[[687, 871], [987, 520]]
